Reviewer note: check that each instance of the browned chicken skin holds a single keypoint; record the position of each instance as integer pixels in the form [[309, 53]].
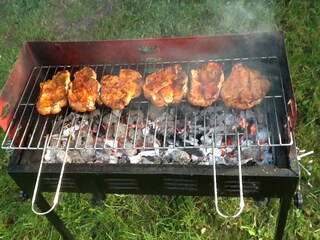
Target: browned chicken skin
[[53, 94], [206, 83], [166, 86], [118, 91], [83, 92], [244, 88]]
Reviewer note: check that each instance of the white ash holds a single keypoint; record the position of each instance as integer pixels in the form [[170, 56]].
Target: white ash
[[129, 150], [137, 158], [181, 134], [262, 133], [136, 117], [174, 155], [112, 117]]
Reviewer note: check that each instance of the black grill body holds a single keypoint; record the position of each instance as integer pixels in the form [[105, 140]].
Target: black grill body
[[279, 181]]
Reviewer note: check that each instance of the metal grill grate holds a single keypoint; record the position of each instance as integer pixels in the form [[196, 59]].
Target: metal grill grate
[[30, 128]]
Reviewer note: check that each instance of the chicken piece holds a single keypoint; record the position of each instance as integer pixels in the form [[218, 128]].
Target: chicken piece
[[169, 85], [53, 93], [83, 92], [244, 88], [86, 71], [118, 91], [206, 84]]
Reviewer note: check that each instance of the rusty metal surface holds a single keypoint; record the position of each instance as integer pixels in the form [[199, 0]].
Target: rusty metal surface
[[13, 89]]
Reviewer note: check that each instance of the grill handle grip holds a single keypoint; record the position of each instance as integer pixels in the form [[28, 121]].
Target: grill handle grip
[[241, 203], [56, 196]]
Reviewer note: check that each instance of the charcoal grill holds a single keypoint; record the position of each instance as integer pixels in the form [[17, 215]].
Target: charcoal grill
[[27, 131]]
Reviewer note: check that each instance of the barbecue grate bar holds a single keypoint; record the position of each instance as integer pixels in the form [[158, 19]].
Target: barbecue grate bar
[[30, 128]]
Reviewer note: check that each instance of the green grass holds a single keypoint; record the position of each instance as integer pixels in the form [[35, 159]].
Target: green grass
[[158, 217]]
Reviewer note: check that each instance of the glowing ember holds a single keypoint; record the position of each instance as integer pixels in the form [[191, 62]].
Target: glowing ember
[[173, 135]]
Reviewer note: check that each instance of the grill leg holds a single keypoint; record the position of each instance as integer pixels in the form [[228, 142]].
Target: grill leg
[[285, 203], [53, 218]]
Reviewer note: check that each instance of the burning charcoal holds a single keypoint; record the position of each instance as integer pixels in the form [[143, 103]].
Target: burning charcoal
[[123, 159], [165, 124], [84, 140], [249, 162], [194, 152], [103, 154], [170, 141], [145, 160], [137, 135], [123, 134], [95, 114], [231, 122], [246, 143], [88, 154], [205, 150], [137, 158], [129, 150], [246, 114], [113, 160], [60, 155], [151, 141], [120, 131], [166, 159], [219, 160], [206, 140], [110, 143], [217, 152], [219, 117], [231, 160], [111, 118], [77, 157], [102, 129], [136, 117], [157, 160], [187, 109], [70, 130], [222, 161], [260, 114], [211, 111], [156, 112], [218, 140], [196, 159], [178, 157], [192, 141], [198, 131], [262, 134], [209, 116], [266, 157], [50, 156], [250, 152], [63, 121]]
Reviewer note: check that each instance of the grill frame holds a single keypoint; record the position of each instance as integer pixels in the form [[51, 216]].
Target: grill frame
[[147, 179], [28, 121]]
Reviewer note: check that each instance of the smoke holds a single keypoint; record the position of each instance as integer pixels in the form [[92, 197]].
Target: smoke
[[241, 16]]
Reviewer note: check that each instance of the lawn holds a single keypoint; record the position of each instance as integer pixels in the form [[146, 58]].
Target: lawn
[[176, 217]]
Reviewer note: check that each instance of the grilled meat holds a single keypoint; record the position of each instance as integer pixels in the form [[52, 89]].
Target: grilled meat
[[83, 92], [169, 85], [244, 88], [53, 94], [86, 71], [206, 83], [118, 91]]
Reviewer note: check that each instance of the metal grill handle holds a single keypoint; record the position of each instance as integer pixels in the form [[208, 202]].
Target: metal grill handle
[[56, 197], [241, 203]]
